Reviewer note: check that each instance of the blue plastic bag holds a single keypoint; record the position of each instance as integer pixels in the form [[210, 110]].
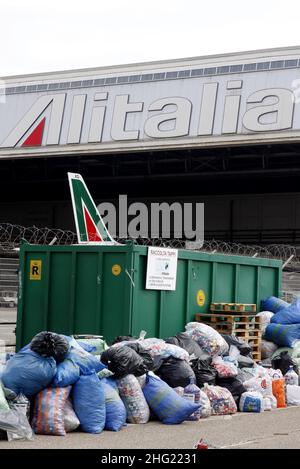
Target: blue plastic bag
[[169, 407], [115, 408], [289, 315], [89, 403], [26, 347], [28, 373], [282, 334], [251, 401], [85, 360], [2, 368], [67, 373], [87, 347], [273, 304]]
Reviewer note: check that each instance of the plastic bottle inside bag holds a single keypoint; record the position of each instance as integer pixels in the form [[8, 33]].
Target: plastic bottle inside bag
[[291, 377], [193, 393]]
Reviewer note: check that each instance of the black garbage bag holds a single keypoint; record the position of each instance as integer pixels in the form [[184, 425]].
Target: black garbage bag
[[234, 385], [49, 344], [245, 362], [283, 363], [184, 341], [243, 375], [266, 363], [158, 360], [143, 353], [175, 372], [123, 361], [123, 338], [244, 348], [204, 372]]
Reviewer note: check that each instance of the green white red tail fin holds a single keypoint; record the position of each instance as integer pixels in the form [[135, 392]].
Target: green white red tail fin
[[90, 227]]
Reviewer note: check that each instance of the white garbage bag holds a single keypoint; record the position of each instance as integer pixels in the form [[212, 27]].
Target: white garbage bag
[[292, 394], [207, 338]]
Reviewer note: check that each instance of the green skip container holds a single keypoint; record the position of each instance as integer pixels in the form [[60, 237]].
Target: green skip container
[[101, 290]]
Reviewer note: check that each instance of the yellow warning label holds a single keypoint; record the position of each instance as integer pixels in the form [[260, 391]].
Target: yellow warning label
[[35, 270], [116, 269], [200, 298]]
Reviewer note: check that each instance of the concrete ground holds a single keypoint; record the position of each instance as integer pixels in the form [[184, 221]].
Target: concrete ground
[[278, 429]]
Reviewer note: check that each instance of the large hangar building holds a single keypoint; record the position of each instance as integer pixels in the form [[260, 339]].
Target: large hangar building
[[223, 130]]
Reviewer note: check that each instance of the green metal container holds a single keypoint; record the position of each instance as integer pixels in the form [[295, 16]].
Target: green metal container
[[101, 290]]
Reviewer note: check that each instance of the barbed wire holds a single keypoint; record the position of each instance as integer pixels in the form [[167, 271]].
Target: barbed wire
[[11, 236], [282, 252]]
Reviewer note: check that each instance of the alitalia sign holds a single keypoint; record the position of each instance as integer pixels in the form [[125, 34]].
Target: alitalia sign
[[194, 112]]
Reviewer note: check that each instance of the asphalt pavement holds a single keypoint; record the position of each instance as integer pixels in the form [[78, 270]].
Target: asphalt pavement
[[278, 429]]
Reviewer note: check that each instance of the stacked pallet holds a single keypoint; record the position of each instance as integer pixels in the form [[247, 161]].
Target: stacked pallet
[[233, 307], [247, 326]]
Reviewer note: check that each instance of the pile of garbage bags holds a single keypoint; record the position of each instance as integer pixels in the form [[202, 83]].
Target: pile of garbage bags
[[281, 331], [283, 321], [57, 384], [51, 387]]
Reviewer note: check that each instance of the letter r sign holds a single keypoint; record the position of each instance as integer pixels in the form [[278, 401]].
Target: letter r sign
[[35, 270]]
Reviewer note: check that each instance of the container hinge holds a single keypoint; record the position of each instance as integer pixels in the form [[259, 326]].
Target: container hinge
[[132, 282]]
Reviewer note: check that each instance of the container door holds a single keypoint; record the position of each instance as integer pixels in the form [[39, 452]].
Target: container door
[[32, 304], [146, 303], [200, 288], [116, 279]]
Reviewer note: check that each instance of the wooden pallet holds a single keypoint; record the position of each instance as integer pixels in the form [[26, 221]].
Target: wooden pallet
[[242, 326], [233, 307], [240, 321], [256, 355], [247, 334], [254, 341]]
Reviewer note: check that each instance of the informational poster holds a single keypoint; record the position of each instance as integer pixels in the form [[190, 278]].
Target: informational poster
[[161, 268]]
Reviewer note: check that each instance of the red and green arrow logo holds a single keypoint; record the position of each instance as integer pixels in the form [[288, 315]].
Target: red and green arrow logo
[[89, 225]]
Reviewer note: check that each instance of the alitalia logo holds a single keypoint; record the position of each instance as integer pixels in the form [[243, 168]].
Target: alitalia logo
[[30, 129], [63, 118], [89, 224]]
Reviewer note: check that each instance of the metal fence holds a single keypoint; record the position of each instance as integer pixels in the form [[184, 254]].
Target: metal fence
[[8, 281], [12, 235], [290, 285]]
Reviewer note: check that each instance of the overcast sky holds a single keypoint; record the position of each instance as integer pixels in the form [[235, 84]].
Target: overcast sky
[[39, 36]]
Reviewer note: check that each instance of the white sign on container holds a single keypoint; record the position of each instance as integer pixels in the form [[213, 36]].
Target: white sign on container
[[161, 268]]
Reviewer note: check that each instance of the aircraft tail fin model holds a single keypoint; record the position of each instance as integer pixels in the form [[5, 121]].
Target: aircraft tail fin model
[[90, 227]]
